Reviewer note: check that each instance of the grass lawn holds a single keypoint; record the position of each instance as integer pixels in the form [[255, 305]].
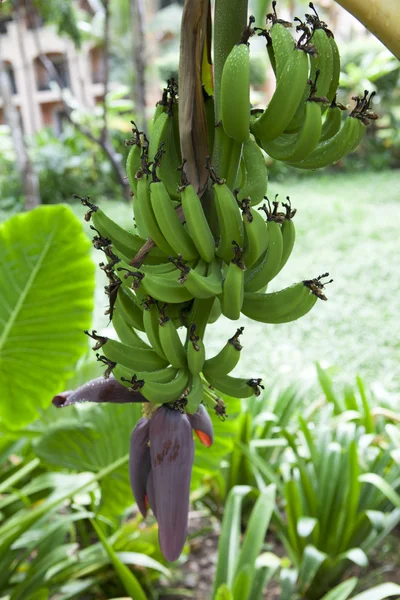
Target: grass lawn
[[347, 225]]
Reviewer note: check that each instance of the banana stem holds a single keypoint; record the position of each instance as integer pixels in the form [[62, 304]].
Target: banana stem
[[192, 117], [380, 17]]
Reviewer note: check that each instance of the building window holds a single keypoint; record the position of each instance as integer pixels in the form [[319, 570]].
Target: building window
[[11, 75], [84, 5], [53, 116], [97, 64], [43, 78]]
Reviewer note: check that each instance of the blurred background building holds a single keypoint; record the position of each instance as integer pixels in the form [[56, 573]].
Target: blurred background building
[[33, 94]]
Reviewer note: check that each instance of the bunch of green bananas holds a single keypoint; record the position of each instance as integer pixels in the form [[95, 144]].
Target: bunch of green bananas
[[302, 124], [195, 255]]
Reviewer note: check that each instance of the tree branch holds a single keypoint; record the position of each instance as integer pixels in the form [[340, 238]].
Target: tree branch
[[139, 53], [106, 68], [23, 162]]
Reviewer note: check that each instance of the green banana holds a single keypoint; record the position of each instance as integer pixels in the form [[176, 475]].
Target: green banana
[[266, 268], [335, 69], [286, 305], [125, 242], [139, 200], [196, 353], [195, 395], [330, 151], [323, 62], [226, 360], [137, 360], [256, 183], [151, 317], [126, 333], [199, 315], [235, 90], [168, 158], [240, 180], [229, 218], [168, 221], [236, 387], [125, 375], [133, 162], [127, 306], [233, 288], [256, 236], [161, 393], [332, 122], [226, 156], [201, 286], [215, 312], [210, 119], [298, 146], [162, 288], [287, 96], [281, 46], [196, 222], [156, 140], [288, 233], [150, 221], [170, 342]]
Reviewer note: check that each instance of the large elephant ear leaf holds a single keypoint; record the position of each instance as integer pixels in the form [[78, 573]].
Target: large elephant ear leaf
[[46, 301]]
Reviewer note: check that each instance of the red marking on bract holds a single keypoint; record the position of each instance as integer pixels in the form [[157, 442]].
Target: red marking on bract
[[146, 502], [204, 438], [175, 451]]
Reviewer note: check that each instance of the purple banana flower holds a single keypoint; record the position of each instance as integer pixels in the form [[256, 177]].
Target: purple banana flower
[[98, 390], [165, 482], [160, 458]]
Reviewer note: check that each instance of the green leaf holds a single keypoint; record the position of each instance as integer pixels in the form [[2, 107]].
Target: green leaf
[[21, 521], [383, 486], [62, 15], [47, 285], [379, 592], [341, 591], [305, 526], [266, 471], [141, 560], [326, 384], [330, 480], [229, 541], [266, 566], [294, 512], [288, 578], [128, 580], [311, 561], [18, 475], [356, 555], [207, 460], [95, 437], [368, 420], [256, 529], [41, 594], [239, 471], [242, 583], [223, 593]]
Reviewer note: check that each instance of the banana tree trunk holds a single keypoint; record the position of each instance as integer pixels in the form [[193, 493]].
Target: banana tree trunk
[[380, 17]]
